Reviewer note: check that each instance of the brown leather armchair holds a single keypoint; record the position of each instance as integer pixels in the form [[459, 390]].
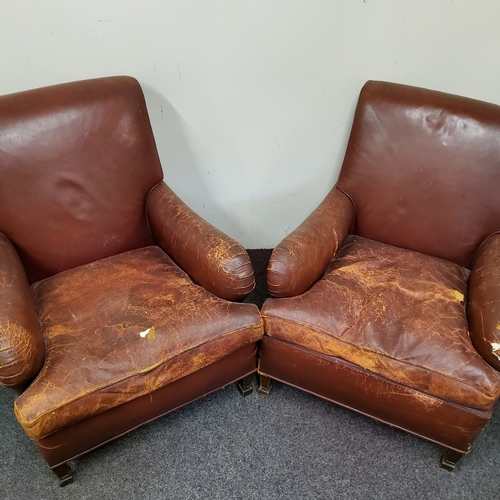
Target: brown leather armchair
[[389, 292], [117, 302]]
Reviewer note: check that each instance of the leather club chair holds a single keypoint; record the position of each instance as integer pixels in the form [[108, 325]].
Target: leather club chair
[[118, 303], [388, 294]]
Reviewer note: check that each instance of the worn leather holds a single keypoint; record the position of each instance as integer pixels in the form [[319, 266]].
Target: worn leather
[[385, 331], [22, 349], [422, 168], [121, 327], [77, 162], [212, 259], [484, 301], [302, 257], [70, 442], [394, 312], [117, 334]]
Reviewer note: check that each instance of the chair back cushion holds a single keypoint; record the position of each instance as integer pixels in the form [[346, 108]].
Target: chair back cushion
[[77, 162], [423, 170]]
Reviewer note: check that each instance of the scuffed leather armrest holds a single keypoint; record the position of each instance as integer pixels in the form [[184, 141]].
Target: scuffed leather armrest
[[302, 256], [483, 308], [212, 259], [22, 349]]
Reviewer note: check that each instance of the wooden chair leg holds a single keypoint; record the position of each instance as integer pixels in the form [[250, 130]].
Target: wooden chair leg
[[450, 458], [245, 385], [63, 472], [265, 385]]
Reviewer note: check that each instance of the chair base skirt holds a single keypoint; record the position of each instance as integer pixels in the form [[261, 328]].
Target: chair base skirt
[[69, 443], [336, 380]]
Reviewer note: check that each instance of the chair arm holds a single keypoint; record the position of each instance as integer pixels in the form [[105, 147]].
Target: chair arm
[[212, 259], [483, 308], [303, 256], [22, 349]]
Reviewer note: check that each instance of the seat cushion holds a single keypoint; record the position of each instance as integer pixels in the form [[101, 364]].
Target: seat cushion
[[122, 327], [397, 313]]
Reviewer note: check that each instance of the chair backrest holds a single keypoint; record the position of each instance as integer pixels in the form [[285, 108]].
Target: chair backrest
[[423, 170], [77, 162]]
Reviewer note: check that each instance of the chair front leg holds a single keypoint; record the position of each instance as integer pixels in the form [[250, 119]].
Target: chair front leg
[[63, 472], [450, 458], [265, 385], [245, 385]]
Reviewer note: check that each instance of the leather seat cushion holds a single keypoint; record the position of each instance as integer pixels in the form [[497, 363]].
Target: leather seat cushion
[[122, 327], [397, 313]]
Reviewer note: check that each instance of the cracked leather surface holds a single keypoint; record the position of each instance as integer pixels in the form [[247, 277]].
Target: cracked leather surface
[[301, 258], [212, 259], [21, 343], [395, 312], [77, 162], [97, 321], [484, 301], [422, 170]]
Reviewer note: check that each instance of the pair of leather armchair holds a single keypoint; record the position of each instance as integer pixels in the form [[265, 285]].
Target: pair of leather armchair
[[119, 304]]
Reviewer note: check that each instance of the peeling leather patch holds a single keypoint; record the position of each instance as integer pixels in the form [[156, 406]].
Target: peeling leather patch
[[458, 295], [148, 334], [495, 349]]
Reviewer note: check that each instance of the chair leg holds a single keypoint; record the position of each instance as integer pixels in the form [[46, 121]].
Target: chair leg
[[63, 472], [450, 458], [265, 385], [245, 385]]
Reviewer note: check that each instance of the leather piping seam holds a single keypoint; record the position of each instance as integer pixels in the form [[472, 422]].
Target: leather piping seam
[[146, 201], [481, 245], [352, 203]]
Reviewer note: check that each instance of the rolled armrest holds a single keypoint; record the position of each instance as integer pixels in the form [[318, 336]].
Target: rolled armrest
[[302, 256], [483, 308], [22, 349], [212, 259]]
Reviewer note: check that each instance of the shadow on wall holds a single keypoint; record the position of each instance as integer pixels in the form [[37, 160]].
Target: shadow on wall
[[271, 216], [301, 174], [182, 171], [270, 202]]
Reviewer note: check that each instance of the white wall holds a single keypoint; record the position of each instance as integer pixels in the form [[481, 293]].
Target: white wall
[[251, 101]]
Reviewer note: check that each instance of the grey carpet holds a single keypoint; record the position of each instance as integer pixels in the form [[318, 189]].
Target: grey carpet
[[289, 446]]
